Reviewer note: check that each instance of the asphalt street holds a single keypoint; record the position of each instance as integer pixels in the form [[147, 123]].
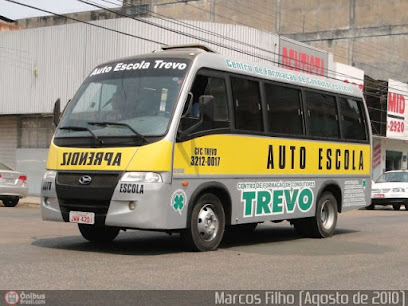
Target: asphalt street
[[368, 251]]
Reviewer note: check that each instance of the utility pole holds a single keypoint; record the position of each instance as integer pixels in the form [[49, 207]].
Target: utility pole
[[277, 17], [352, 34], [212, 18]]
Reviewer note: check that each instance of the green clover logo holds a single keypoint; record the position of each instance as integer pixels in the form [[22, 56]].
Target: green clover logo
[[178, 202]]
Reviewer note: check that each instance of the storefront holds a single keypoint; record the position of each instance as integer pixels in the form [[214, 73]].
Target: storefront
[[389, 154]]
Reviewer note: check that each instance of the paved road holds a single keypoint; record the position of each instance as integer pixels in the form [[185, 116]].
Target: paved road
[[369, 251]]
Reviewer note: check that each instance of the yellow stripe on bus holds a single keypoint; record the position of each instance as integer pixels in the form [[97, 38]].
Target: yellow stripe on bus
[[153, 157], [235, 154]]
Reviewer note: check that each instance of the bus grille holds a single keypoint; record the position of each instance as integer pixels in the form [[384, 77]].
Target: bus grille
[[94, 197]]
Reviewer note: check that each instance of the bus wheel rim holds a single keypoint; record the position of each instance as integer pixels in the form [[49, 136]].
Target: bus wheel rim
[[207, 223], [327, 214]]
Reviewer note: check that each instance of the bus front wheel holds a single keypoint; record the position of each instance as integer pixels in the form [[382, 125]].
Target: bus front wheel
[[206, 224], [98, 234], [323, 224]]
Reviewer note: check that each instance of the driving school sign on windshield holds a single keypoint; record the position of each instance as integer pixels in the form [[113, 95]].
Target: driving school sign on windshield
[[157, 64]]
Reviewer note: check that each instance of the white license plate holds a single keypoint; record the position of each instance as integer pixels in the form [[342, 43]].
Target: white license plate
[[82, 217], [10, 181], [379, 195]]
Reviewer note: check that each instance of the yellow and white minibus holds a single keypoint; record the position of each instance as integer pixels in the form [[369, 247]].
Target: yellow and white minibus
[[187, 140]]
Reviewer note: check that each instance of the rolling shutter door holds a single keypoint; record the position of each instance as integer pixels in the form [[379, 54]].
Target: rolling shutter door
[[8, 140]]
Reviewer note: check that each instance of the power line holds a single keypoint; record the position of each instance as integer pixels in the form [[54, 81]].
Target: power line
[[88, 23], [274, 53], [16, 58], [13, 64], [176, 31], [207, 31], [124, 15], [356, 51], [11, 49], [119, 32], [298, 43], [371, 47], [123, 33]]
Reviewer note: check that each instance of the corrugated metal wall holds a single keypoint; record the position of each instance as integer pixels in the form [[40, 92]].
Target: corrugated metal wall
[[8, 140], [42, 64]]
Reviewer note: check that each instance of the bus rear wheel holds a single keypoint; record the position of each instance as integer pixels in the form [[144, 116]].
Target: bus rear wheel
[[98, 233], [206, 224], [323, 224]]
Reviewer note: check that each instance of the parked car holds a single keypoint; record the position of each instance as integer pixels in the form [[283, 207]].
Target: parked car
[[13, 186], [391, 188]]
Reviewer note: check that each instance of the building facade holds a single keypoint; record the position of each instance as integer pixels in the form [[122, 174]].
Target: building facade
[[357, 41]]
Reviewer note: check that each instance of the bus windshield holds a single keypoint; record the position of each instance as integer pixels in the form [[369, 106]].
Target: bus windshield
[[129, 99]]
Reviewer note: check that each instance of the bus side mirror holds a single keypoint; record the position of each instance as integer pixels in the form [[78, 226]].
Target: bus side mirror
[[206, 107], [57, 111]]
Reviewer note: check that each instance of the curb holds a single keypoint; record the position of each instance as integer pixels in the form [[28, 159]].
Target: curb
[[30, 201], [31, 205]]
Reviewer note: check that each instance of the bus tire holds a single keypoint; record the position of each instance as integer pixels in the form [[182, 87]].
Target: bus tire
[[323, 224], [370, 207], [206, 224], [396, 206], [98, 234]]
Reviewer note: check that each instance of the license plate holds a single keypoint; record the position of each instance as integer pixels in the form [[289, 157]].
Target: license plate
[[82, 217], [379, 195], [10, 181]]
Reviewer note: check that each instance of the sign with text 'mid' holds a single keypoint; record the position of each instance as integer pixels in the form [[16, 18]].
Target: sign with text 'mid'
[[397, 111]]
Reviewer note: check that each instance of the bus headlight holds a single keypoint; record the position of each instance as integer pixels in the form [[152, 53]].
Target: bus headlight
[[142, 177], [49, 174]]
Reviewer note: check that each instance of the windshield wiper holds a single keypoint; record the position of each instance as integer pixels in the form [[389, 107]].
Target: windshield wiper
[[81, 128], [107, 123]]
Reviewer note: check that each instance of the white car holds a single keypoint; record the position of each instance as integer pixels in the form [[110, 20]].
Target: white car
[[391, 188], [13, 186]]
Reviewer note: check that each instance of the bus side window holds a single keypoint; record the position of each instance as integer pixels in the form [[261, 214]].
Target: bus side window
[[321, 117], [283, 109], [208, 86], [353, 126], [247, 104]]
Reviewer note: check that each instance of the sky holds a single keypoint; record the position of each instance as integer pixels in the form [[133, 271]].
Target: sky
[[14, 11]]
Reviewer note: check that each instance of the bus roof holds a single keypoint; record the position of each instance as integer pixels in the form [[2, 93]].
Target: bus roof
[[205, 57]]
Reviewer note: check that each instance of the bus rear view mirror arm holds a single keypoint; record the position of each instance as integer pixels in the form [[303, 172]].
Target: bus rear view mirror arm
[[57, 111], [188, 105]]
